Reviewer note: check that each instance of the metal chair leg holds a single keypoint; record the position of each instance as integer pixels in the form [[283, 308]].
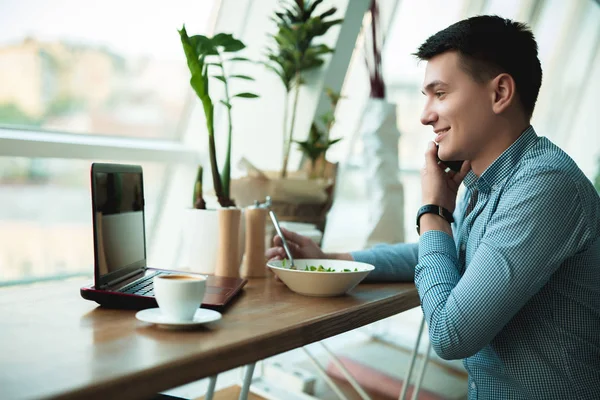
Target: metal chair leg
[[412, 362], [211, 387], [363, 395], [324, 375], [417, 386], [247, 381]]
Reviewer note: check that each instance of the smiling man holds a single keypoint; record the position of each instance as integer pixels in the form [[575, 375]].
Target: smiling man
[[509, 277]]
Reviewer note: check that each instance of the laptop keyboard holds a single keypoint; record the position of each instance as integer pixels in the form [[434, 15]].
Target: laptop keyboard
[[143, 286]]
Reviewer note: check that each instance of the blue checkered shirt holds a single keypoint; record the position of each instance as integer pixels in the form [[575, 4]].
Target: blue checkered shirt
[[516, 292]]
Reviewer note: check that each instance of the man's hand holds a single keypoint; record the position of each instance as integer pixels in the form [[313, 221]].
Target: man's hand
[[300, 246], [439, 187]]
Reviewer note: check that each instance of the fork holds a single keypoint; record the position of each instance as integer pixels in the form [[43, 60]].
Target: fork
[[280, 233]]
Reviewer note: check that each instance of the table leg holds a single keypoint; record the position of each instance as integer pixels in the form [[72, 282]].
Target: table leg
[[247, 381], [412, 362]]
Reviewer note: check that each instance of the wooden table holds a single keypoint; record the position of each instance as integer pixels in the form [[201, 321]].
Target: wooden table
[[54, 344]]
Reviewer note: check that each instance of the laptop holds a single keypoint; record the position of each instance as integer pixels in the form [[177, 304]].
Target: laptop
[[121, 277]]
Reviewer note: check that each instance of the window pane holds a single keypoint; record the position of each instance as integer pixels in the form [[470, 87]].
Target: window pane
[[115, 68], [552, 25], [45, 216], [413, 23]]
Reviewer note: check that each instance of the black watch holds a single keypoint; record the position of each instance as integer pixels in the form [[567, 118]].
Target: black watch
[[433, 209]]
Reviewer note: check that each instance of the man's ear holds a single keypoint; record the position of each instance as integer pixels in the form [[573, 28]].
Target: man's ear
[[503, 92]]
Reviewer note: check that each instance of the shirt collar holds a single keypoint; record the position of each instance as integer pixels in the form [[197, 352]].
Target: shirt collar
[[501, 167]]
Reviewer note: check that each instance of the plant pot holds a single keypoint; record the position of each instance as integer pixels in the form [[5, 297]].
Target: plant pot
[[203, 237], [295, 198], [380, 136]]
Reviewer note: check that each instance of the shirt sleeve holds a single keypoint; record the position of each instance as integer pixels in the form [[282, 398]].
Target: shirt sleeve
[[537, 223], [393, 263]]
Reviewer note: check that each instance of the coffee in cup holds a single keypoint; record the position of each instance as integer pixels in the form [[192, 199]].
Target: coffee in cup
[[179, 295]]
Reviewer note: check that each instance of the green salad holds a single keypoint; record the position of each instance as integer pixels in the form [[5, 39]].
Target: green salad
[[320, 268]]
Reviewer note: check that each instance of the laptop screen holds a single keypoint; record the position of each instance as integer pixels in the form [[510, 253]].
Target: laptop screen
[[118, 206]]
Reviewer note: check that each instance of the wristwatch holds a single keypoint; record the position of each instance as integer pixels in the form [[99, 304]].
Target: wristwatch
[[433, 209]]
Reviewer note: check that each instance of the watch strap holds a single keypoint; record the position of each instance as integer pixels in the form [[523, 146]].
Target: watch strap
[[433, 209]]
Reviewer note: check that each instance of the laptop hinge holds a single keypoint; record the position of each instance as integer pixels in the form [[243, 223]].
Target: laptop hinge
[[123, 278]]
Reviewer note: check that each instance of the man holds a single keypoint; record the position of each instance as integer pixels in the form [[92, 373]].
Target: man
[[513, 287]]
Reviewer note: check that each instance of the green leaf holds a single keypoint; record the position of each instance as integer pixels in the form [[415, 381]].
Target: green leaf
[[227, 42], [203, 45], [327, 117], [329, 24], [195, 65], [328, 13], [215, 64], [197, 83], [246, 77], [239, 59], [235, 46], [220, 77], [246, 95], [310, 150], [319, 49], [226, 104], [222, 39], [311, 64], [200, 85]]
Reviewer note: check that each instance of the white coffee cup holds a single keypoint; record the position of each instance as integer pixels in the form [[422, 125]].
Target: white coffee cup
[[179, 295]]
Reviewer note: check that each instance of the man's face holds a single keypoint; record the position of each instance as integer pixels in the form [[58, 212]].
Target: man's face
[[458, 108]]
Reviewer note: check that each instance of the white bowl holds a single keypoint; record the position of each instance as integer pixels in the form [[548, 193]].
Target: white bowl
[[321, 284]]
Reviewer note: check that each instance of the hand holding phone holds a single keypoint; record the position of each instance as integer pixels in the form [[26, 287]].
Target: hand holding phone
[[453, 165]]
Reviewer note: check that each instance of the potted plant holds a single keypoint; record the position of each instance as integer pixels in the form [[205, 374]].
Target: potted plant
[[204, 55], [294, 52], [214, 240], [316, 145]]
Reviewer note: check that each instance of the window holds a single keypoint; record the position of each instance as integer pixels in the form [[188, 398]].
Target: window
[[82, 84], [46, 220], [114, 68]]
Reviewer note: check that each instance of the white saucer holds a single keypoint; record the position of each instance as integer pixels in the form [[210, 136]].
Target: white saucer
[[155, 316]]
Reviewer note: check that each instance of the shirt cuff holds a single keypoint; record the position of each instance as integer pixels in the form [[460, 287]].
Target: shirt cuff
[[365, 256]]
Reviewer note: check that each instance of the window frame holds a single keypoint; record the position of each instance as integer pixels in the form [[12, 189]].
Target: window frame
[[30, 143]]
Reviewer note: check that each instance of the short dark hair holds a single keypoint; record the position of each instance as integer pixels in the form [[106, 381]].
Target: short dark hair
[[489, 45]]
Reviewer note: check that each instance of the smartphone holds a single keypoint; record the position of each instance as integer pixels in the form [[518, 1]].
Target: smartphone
[[453, 165]]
